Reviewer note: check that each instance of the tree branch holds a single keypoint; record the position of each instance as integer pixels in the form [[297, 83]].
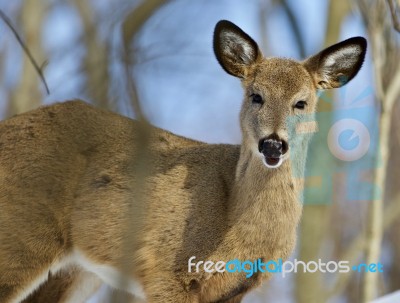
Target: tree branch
[[393, 12], [38, 69], [295, 28], [143, 163], [391, 214]]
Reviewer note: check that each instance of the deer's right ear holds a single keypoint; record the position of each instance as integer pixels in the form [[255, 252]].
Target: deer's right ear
[[235, 50]]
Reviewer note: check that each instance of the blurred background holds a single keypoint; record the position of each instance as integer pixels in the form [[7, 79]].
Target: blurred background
[[352, 209]]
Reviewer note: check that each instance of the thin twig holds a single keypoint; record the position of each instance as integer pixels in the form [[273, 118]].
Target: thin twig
[[393, 11], [8, 22], [393, 89], [294, 24]]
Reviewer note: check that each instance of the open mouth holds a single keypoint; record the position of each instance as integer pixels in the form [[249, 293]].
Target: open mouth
[[272, 150], [272, 161]]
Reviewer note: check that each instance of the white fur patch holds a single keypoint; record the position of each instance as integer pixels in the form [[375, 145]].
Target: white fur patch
[[85, 285], [346, 57], [34, 285], [54, 268], [273, 166], [230, 40], [111, 276]]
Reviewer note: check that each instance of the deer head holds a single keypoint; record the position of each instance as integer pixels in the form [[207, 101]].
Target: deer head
[[277, 88]]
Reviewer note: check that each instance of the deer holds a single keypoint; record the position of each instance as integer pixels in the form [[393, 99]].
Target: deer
[[68, 170]]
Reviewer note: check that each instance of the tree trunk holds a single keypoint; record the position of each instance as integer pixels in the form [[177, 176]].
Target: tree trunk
[[309, 286], [27, 95], [96, 61]]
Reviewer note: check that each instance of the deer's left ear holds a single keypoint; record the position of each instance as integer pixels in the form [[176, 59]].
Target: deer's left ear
[[337, 64]]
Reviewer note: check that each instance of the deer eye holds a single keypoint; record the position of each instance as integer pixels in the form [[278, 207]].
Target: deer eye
[[256, 98], [300, 104]]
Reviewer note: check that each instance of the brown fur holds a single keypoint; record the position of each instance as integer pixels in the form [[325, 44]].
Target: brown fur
[[67, 172], [61, 286]]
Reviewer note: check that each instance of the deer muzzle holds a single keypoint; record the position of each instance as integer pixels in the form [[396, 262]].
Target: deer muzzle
[[273, 148]]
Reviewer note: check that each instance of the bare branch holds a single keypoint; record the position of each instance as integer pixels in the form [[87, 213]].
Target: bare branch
[[387, 91], [143, 164], [9, 24], [393, 89], [295, 27], [393, 11], [136, 18], [130, 27], [391, 214], [96, 59], [313, 227]]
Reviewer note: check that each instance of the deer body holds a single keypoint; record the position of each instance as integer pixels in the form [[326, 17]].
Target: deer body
[[93, 198], [68, 174]]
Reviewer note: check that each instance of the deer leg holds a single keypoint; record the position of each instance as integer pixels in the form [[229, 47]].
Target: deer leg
[[54, 288], [18, 282]]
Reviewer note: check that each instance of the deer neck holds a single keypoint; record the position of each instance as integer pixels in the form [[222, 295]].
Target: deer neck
[[255, 183], [261, 196]]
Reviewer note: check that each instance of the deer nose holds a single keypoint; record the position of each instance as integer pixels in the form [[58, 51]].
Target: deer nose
[[272, 146]]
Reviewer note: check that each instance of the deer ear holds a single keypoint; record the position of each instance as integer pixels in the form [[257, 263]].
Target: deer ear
[[234, 49], [338, 64]]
